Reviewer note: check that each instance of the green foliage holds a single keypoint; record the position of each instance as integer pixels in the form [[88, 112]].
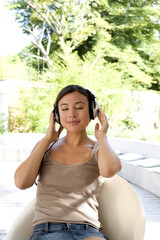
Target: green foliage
[[31, 114], [106, 46], [13, 67], [2, 122]]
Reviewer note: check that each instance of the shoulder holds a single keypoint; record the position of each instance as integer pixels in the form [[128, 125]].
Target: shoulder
[[91, 141], [58, 146]]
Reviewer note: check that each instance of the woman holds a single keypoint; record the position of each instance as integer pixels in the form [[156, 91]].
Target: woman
[[71, 169]]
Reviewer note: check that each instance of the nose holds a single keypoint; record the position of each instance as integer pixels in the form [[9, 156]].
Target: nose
[[72, 113]]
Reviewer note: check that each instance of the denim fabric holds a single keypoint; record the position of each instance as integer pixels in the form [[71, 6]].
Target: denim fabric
[[64, 231]]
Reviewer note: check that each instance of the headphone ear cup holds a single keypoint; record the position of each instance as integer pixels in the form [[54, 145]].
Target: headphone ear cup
[[94, 110], [56, 115]]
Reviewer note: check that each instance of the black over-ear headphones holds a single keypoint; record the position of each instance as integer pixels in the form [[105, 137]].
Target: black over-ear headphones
[[93, 107]]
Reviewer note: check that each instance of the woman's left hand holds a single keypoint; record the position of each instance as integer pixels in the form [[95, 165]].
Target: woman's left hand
[[101, 131]]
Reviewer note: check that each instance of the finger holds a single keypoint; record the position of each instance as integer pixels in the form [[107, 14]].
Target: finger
[[52, 117], [102, 117], [101, 113], [104, 122], [97, 127], [52, 123]]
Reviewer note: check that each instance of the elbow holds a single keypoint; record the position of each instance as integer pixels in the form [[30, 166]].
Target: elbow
[[20, 184], [110, 172], [107, 173]]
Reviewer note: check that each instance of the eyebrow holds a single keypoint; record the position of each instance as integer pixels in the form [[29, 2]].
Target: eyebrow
[[66, 104]]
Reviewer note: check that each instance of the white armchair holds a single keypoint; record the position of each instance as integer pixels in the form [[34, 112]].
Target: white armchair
[[120, 211]]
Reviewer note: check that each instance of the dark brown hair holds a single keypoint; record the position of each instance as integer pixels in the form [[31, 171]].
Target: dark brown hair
[[73, 88]]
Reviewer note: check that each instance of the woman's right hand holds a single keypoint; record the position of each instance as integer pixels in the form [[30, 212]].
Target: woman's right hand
[[52, 134]]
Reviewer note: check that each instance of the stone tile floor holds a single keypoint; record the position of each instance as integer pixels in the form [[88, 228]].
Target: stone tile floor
[[13, 200]]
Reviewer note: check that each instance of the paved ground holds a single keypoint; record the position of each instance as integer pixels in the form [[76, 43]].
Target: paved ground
[[12, 201]]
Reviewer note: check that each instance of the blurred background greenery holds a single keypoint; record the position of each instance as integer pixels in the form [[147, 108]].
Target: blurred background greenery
[[109, 47]]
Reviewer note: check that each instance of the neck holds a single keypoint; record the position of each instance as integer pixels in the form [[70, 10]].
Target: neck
[[76, 139]]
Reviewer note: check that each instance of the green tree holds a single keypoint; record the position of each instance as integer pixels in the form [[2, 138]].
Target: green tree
[[126, 33], [66, 24], [135, 33]]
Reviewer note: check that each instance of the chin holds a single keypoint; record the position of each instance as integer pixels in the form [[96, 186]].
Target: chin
[[75, 129]]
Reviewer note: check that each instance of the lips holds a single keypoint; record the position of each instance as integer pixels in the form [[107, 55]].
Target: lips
[[73, 122]]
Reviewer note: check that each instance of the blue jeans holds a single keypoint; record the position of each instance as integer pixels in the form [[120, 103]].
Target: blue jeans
[[64, 231]]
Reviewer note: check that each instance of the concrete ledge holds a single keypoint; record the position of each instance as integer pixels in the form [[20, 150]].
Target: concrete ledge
[[17, 146], [143, 177], [147, 149], [140, 162], [14, 153]]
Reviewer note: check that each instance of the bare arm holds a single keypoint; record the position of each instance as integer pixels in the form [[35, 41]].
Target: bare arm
[[27, 172], [108, 162]]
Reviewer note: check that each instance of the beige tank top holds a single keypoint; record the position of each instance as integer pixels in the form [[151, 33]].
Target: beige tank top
[[68, 193]]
